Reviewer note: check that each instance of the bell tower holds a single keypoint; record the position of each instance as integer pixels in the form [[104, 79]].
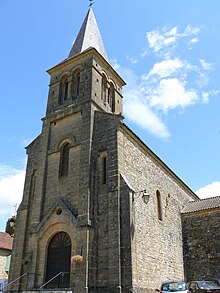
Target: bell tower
[[86, 74], [58, 215]]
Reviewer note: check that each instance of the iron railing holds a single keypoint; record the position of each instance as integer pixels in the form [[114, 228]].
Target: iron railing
[[5, 288], [60, 273]]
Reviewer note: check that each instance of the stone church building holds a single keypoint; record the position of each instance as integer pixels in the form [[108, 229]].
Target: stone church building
[[100, 212]]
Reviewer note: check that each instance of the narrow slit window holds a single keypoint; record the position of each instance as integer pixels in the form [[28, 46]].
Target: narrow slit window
[[104, 88], [60, 93], [64, 160], [111, 97], [33, 183], [104, 170], [159, 206], [113, 103], [77, 83]]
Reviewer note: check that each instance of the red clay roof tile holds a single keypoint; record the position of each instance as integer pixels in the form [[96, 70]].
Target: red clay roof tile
[[5, 241]]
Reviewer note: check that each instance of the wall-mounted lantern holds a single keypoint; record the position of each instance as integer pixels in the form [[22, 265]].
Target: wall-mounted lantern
[[144, 195], [10, 226]]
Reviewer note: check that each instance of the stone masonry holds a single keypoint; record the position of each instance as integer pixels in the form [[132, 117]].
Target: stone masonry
[[156, 244], [82, 196], [202, 241]]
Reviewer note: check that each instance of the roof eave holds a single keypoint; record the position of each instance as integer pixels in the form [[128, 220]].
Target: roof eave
[[141, 143], [6, 248], [88, 52]]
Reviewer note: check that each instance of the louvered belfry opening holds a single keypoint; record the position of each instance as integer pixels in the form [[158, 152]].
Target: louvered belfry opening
[[58, 260]]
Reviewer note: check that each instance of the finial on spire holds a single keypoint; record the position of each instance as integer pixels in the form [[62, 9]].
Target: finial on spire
[[91, 2]]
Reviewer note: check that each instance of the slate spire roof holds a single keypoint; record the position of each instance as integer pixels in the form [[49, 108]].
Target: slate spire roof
[[88, 36]]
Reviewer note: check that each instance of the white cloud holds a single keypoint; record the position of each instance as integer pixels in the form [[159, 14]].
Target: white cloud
[[11, 188], [171, 94], [190, 30], [210, 190], [157, 41], [133, 60], [206, 95], [138, 112], [136, 108], [115, 64], [165, 68], [206, 65], [172, 32], [130, 77], [144, 53], [171, 84], [194, 41], [163, 41], [167, 85]]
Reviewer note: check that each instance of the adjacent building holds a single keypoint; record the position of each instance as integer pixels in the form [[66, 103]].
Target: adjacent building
[[201, 236], [5, 254]]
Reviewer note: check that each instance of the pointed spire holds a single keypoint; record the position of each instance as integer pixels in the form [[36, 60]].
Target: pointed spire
[[88, 36]]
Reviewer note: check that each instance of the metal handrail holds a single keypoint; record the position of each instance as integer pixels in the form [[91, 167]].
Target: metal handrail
[[13, 281], [52, 279]]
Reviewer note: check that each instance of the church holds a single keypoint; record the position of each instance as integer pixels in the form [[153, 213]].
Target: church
[[101, 212]]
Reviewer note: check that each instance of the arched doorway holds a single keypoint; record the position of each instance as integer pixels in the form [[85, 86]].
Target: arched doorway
[[58, 260]]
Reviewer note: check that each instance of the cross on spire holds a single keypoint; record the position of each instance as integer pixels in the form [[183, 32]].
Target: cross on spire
[[91, 2]]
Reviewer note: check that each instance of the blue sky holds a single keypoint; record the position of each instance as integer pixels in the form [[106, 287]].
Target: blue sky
[[166, 51]]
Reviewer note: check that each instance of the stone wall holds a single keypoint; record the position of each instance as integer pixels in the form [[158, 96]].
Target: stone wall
[[105, 273], [201, 232], [157, 251]]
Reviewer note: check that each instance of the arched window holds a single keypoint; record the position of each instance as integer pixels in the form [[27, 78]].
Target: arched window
[[58, 260], [63, 90], [111, 97], [64, 160], [159, 206], [104, 88]]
